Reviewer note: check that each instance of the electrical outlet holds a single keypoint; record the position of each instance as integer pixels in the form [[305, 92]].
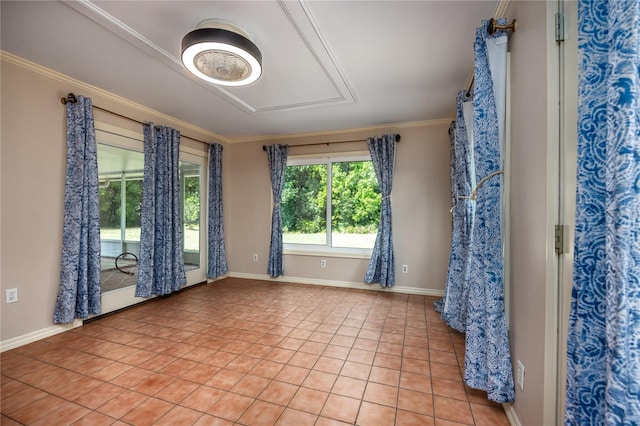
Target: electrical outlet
[[12, 295], [255, 257], [520, 375], [405, 269], [323, 263]]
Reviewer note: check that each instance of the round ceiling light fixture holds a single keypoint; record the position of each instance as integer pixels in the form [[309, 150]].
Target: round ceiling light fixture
[[221, 53]]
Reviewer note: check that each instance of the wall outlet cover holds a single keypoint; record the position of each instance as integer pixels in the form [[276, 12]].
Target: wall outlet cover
[[11, 295], [520, 375]]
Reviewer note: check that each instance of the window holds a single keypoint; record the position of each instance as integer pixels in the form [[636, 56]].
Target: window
[[330, 203], [120, 179]]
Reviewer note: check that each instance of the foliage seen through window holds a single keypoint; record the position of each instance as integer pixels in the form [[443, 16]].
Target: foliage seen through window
[[354, 204]]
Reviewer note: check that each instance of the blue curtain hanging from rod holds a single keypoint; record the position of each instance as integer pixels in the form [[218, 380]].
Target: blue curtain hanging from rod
[[80, 293], [603, 345], [277, 158], [161, 268], [453, 307], [381, 267], [217, 255], [487, 352]]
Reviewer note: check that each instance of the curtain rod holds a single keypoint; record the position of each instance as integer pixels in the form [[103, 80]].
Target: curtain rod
[[264, 147], [491, 29], [71, 98]]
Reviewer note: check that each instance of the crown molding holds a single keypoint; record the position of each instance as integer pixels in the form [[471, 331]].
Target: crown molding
[[393, 126], [96, 91], [183, 125], [501, 9]]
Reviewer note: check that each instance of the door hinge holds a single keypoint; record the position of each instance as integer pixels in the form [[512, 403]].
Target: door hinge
[[560, 26], [559, 239]]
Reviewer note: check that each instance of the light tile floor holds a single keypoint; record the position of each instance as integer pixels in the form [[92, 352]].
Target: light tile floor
[[244, 352]]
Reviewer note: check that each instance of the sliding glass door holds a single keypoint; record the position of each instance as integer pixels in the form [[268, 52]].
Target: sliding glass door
[[120, 180], [120, 169], [190, 188], [192, 183]]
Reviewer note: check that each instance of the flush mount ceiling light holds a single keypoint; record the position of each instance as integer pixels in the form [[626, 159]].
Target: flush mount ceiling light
[[221, 53]]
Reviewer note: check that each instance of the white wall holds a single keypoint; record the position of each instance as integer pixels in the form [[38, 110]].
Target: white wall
[[33, 173], [420, 202]]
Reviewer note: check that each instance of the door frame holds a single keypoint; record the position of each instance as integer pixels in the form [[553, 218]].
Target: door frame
[[562, 71], [568, 156]]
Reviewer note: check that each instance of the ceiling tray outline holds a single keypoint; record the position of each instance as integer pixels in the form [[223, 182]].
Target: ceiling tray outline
[[297, 13]]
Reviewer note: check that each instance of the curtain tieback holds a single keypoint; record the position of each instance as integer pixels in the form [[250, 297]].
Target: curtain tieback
[[276, 206], [386, 196], [474, 194]]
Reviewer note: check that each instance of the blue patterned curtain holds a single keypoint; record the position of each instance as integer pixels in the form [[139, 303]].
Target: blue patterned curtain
[[161, 262], [277, 157], [453, 306], [217, 264], [79, 294], [603, 347], [382, 265], [487, 352]]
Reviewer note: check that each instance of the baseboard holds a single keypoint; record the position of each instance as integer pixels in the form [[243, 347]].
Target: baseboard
[[512, 416], [343, 284], [108, 308], [18, 341], [221, 277]]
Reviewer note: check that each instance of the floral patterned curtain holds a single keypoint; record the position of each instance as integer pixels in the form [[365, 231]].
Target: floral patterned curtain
[[277, 157], [217, 264], [80, 294], [161, 263], [603, 345], [453, 306], [382, 265], [487, 352]]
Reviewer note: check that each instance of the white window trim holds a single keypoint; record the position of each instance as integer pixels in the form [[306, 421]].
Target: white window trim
[[129, 139], [327, 250], [324, 251]]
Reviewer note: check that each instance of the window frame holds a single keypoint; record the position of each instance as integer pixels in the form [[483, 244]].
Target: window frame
[[327, 250]]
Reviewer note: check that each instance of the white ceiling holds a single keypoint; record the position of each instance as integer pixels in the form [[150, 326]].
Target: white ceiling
[[112, 161], [327, 65]]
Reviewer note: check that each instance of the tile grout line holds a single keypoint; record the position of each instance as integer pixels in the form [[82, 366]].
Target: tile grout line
[[373, 315]]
